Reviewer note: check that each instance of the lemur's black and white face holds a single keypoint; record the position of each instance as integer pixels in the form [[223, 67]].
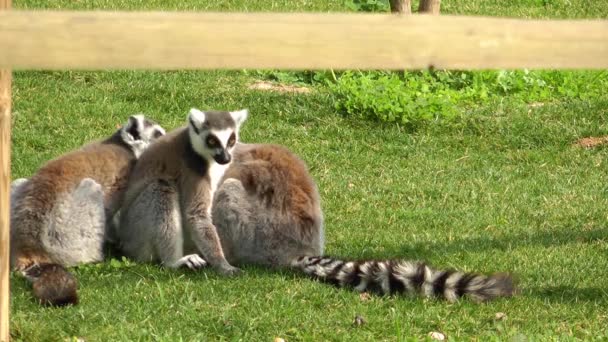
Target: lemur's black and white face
[[213, 134], [139, 132]]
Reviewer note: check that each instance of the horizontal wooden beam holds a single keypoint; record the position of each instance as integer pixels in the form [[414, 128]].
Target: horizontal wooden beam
[[186, 40]]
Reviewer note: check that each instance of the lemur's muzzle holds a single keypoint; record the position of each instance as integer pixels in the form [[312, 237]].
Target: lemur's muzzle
[[222, 158]]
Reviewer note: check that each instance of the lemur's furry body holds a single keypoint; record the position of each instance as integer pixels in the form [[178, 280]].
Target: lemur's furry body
[[166, 216], [267, 212], [59, 215]]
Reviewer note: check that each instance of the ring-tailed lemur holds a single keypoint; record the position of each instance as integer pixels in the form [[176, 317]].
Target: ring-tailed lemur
[[59, 215], [267, 211], [166, 214]]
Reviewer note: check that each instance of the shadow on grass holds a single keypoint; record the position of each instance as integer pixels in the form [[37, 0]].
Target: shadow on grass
[[417, 251], [569, 295], [544, 238]]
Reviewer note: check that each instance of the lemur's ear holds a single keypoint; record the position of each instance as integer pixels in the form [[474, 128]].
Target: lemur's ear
[[239, 116], [133, 128], [196, 119]]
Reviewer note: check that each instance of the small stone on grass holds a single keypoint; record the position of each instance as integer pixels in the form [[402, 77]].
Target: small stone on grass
[[359, 321], [434, 335], [500, 316], [364, 296]]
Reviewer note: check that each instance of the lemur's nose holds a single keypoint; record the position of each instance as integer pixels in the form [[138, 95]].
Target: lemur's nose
[[222, 158]]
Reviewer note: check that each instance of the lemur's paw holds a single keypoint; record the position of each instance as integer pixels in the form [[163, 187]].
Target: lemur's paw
[[229, 271], [192, 261]]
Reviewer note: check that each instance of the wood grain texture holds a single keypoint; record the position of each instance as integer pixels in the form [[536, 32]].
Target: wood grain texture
[[185, 40], [429, 6], [5, 179], [5, 185], [5, 167]]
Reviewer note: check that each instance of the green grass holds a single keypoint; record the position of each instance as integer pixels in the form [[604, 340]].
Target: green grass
[[500, 189]]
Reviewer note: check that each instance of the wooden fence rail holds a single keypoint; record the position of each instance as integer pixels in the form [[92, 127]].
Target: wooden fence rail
[[162, 40], [185, 40]]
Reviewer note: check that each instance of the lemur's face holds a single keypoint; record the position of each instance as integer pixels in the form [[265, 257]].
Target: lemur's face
[[214, 134], [139, 132], [220, 144]]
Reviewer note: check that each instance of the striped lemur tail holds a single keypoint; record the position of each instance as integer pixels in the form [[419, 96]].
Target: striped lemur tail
[[408, 277], [52, 284]]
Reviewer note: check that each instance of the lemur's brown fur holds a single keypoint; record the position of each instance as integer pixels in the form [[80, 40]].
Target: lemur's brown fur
[[38, 213]]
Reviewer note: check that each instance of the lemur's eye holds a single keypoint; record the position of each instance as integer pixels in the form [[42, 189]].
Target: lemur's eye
[[212, 142], [157, 134], [232, 140]]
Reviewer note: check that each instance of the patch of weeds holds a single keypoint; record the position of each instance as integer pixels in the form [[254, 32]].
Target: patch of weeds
[[367, 5], [303, 77], [413, 97], [390, 97]]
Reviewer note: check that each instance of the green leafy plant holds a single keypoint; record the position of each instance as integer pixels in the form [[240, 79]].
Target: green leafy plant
[[414, 97], [411, 97], [389, 97]]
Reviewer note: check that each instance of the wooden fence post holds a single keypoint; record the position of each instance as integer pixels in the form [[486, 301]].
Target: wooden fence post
[[401, 6], [429, 6], [5, 186]]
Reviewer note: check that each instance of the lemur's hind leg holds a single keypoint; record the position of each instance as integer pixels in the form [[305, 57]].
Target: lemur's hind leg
[[75, 232], [250, 233], [257, 228], [155, 213], [232, 216]]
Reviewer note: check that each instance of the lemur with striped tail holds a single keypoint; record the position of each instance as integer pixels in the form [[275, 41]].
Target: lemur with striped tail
[[266, 211]]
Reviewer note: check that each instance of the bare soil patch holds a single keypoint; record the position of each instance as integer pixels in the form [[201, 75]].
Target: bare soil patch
[[281, 88], [592, 142]]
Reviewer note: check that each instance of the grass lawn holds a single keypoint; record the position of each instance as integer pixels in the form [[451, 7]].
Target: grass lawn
[[501, 189]]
